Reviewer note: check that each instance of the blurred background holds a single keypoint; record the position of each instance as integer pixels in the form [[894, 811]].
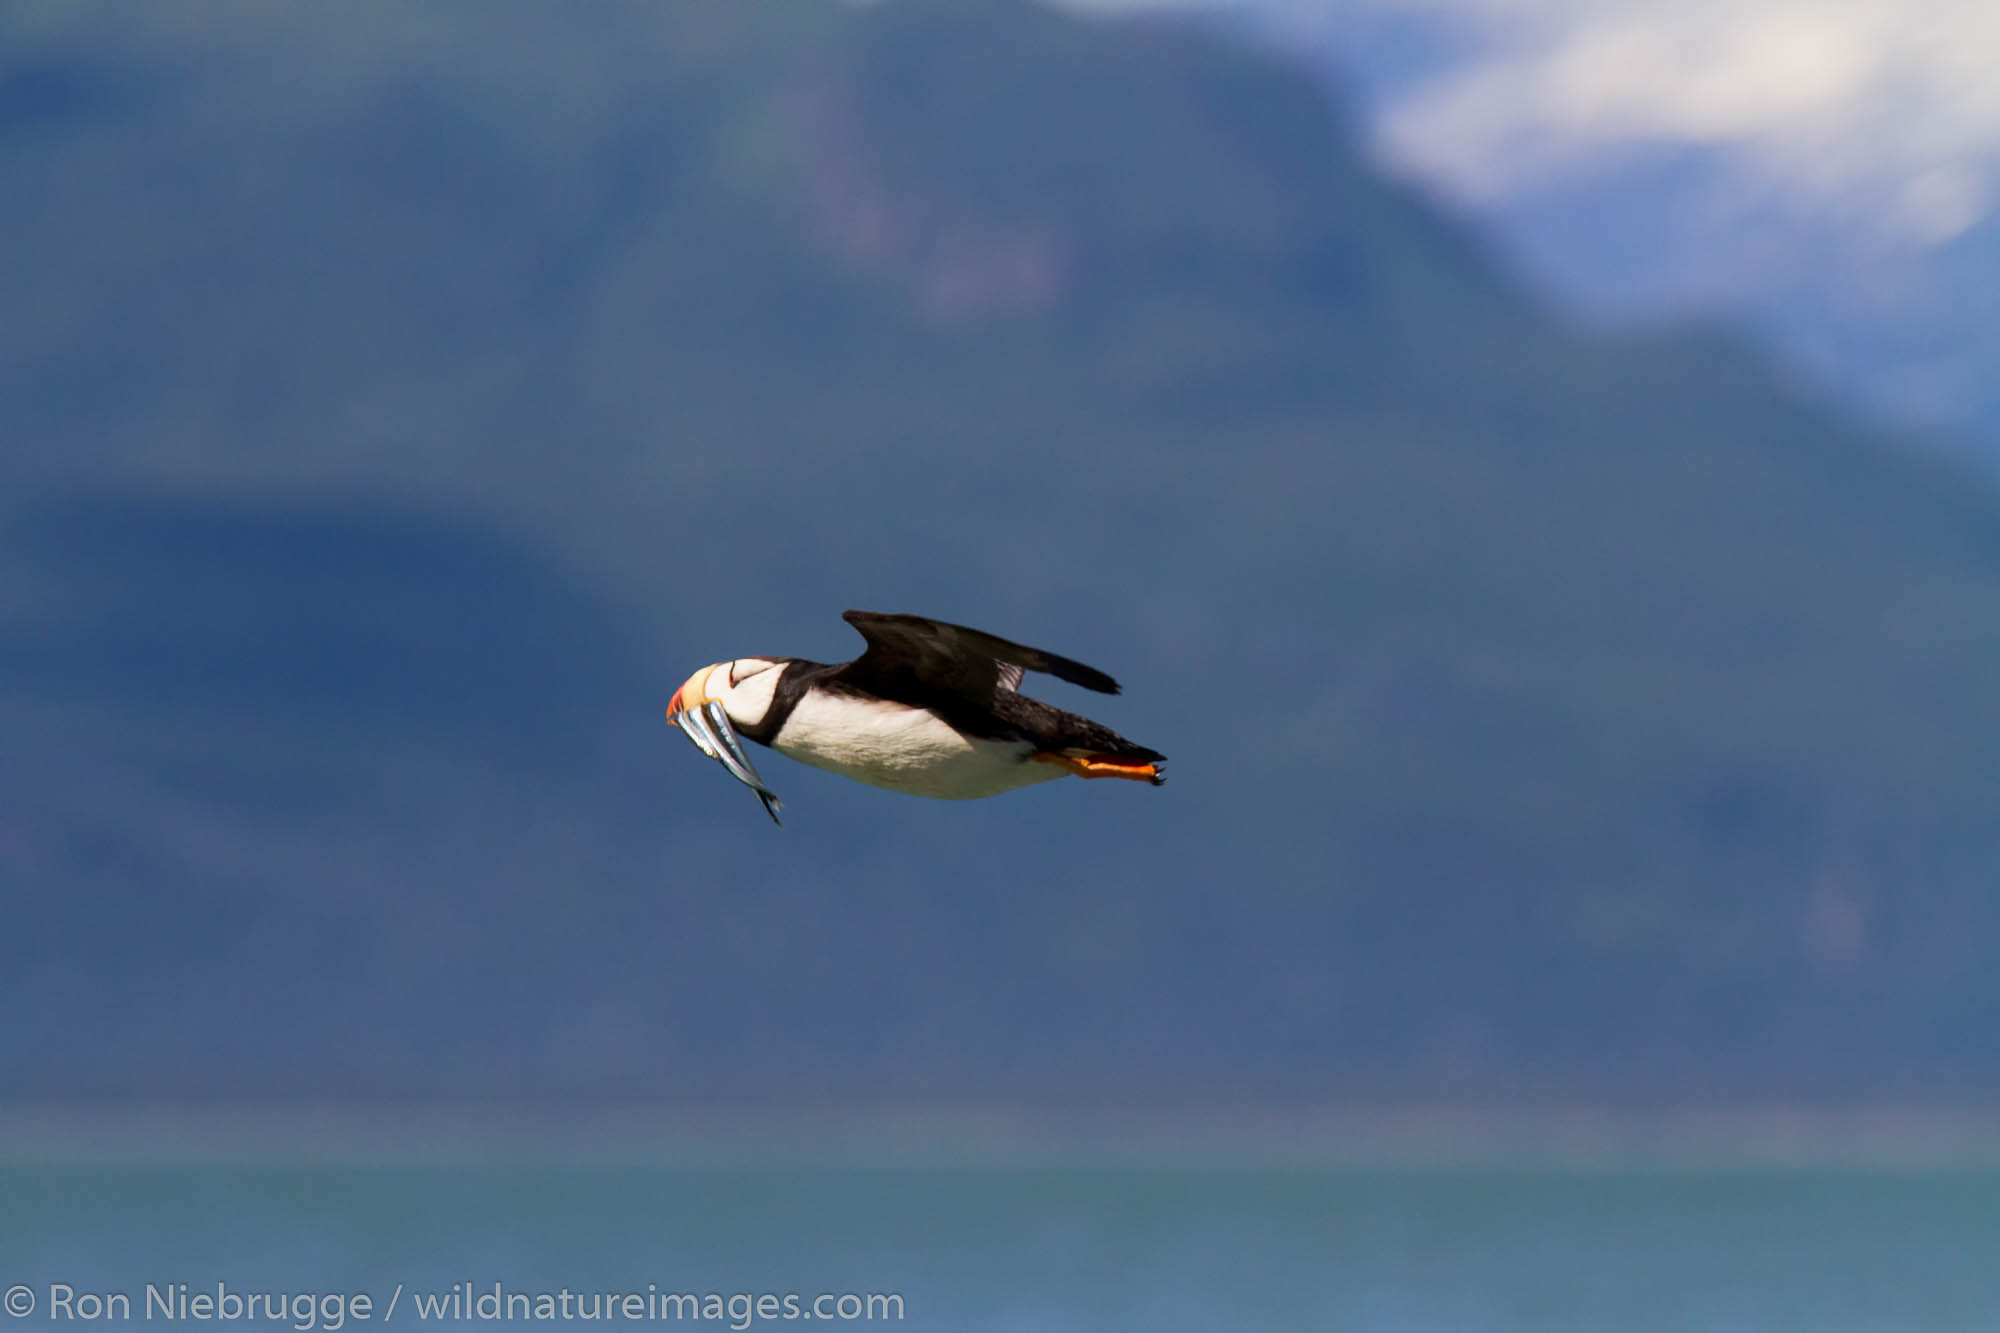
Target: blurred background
[[1530, 463]]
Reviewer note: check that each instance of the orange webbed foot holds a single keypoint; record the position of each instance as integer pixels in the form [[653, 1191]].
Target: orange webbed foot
[[1103, 766]]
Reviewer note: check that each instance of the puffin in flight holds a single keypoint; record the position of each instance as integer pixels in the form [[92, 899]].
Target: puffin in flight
[[929, 709]]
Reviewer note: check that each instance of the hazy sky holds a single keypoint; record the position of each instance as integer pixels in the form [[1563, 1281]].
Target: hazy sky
[[1884, 111]]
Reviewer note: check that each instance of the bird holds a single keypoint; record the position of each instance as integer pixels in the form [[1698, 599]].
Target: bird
[[929, 709]]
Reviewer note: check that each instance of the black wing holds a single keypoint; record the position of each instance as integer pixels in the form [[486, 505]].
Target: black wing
[[951, 657]]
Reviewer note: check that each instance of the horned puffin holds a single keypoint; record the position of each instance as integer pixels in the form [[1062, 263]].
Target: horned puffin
[[930, 709]]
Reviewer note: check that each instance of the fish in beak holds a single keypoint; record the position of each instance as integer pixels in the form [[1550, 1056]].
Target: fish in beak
[[706, 724]]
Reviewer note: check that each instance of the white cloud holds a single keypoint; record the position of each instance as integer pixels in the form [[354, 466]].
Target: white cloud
[[1888, 110]]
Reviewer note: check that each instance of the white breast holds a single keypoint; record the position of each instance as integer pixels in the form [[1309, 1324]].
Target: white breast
[[903, 749]]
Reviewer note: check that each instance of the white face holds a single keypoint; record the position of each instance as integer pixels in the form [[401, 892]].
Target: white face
[[744, 688]]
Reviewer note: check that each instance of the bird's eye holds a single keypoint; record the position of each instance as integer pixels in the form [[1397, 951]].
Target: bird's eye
[[742, 671]]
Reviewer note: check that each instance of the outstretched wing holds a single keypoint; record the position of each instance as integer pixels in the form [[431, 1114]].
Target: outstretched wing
[[963, 661]]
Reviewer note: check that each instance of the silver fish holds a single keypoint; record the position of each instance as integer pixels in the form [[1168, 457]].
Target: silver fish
[[712, 733]]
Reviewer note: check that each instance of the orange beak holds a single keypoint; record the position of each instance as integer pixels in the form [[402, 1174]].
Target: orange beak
[[690, 694]]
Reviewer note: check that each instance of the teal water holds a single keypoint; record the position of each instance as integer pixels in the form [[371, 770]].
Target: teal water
[[1431, 1250]]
